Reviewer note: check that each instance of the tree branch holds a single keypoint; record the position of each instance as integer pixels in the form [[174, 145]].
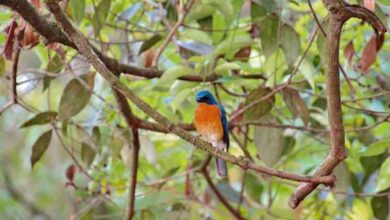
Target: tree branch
[[220, 197], [339, 13], [174, 29], [52, 33], [85, 49], [134, 148]]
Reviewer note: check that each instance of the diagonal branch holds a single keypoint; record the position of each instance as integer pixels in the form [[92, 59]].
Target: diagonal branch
[[179, 22], [85, 49], [220, 197]]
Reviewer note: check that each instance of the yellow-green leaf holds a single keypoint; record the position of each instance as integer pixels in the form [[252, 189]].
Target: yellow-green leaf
[[40, 119], [384, 176], [296, 104], [259, 109], [87, 153], [40, 146], [75, 97]]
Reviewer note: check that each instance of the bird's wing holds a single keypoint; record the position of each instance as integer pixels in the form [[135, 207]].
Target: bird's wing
[[225, 126]]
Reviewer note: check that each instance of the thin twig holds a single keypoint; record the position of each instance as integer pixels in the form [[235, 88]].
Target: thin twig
[[220, 197], [134, 148], [179, 22]]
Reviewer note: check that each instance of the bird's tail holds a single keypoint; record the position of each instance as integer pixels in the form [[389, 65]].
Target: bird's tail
[[221, 167]]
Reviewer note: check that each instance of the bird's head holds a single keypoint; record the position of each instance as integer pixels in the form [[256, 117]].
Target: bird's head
[[205, 97]]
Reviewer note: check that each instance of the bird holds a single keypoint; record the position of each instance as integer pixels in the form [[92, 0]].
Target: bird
[[211, 123]]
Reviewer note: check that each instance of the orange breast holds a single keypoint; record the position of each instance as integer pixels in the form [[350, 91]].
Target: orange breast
[[208, 121]]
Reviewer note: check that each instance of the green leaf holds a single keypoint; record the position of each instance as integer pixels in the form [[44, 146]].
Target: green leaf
[[269, 34], [380, 207], [343, 181], [199, 11], [40, 146], [269, 5], [231, 44], [55, 64], [269, 143], [87, 153], [296, 104], [149, 43], [96, 136], [218, 24], [257, 12], [288, 144], [376, 148], [101, 13], [77, 8], [173, 73], [75, 97], [226, 67], [40, 119], [291, 45], [253, 186], [146, 214], [180, 98], [384, 176], [260, 108], [385, 2]]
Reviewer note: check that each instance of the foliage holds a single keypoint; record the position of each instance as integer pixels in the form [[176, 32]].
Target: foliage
[[69, 127]]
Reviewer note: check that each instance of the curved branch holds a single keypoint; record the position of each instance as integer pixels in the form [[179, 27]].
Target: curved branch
[[84, 47], [339, 13]]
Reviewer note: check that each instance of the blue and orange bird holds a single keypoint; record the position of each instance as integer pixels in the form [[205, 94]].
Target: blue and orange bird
[[210, 123]]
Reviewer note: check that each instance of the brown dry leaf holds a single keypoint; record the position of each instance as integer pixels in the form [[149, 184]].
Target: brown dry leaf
[[30, 38], [149, 55], [243, 54], [368, 55], [369, 4], [70, 171], [349, 52]]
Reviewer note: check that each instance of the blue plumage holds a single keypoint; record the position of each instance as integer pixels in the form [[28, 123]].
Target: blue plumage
[[222, 142]]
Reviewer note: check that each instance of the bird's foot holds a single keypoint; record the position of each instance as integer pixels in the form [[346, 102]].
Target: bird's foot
[[194, 138]]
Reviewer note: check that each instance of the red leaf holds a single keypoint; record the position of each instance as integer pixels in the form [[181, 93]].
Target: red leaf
[[30, 38], [9, 43], [149, 55], [369, 4], [349, 51], [70, 171], [368, 55], [243, 53], [36, 3]]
